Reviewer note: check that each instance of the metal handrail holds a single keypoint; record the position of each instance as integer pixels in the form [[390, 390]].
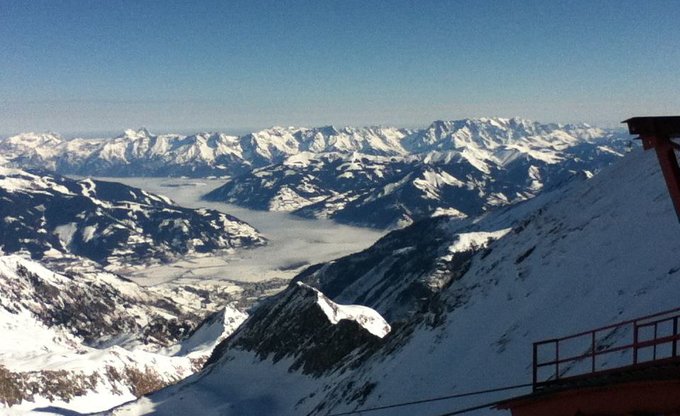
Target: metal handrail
[[596, 350], [612, 326]]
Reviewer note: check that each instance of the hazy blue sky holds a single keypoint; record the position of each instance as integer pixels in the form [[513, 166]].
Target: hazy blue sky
[[187, 65]]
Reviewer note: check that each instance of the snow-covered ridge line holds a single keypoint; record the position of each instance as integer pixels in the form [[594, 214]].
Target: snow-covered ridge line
[[463, 167], [368, 318], [140, 153]]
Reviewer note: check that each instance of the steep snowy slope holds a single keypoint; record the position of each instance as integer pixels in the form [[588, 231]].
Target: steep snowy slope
[[89, 341], [318, 332], [592, 253], [53, 216]]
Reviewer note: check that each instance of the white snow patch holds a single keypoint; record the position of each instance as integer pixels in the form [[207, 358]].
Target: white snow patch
[[66, 231], [88, 233], [368, 318], [450, 212], [476, 240]]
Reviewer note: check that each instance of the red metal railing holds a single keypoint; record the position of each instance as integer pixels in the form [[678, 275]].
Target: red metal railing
[[640, 341]]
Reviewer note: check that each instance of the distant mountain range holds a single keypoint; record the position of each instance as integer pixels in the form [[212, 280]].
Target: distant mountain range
[[460, 168], [377, 176], [139, 153]]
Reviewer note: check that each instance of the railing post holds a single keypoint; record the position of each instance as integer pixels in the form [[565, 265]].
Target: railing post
[[636, 329], [535, 365], [592, 350], [557, 359], [675, 334], [655, 338]]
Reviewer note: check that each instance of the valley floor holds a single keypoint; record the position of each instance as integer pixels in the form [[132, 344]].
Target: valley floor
[[294, 243]]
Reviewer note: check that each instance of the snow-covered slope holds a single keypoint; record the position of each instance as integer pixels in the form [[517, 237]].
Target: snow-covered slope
[[89, 341], [460, 167], [591, 253], [52, 216], [212, 331]]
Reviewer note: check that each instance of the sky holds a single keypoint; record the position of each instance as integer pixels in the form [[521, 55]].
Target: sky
[[236, 66]]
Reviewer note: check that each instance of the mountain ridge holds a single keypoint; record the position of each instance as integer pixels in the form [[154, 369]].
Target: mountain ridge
[[464, 167], [106, 157], [51, 216]]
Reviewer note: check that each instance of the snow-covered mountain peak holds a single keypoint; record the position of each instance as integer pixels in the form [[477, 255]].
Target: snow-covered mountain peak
[[40, 145], [132, 134], [34, 139], [497, 141], [276, 131]]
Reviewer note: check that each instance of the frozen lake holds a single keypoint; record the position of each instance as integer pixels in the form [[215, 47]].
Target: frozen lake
[[294, 243]]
